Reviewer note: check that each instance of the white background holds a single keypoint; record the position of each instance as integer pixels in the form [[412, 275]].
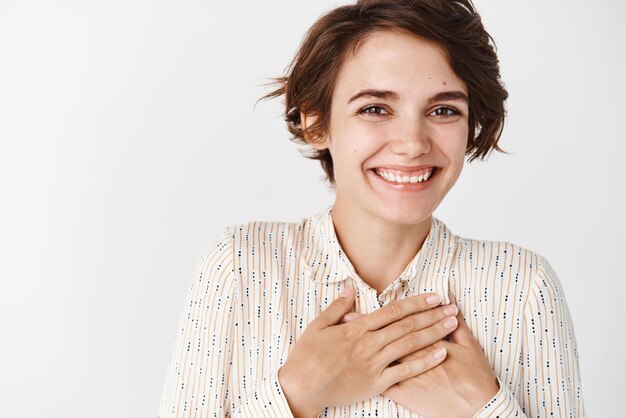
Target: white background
[[129, 138]]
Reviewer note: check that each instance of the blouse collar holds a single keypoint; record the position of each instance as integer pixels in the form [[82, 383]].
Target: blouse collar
[[327, 262]]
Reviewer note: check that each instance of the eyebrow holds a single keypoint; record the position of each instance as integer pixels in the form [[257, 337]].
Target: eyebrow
[[380, 94], [392, 95], [449, 95]]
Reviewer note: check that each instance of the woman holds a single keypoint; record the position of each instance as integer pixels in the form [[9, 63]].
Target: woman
[[374, 307]]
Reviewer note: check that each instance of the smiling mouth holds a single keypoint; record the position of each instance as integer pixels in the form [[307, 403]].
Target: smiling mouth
[[396, 177]]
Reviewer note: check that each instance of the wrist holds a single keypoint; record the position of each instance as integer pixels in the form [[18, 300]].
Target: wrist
[[298, 399], [486, 395]]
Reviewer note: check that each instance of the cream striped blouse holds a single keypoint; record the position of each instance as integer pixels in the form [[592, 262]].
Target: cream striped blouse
[[258, 285]]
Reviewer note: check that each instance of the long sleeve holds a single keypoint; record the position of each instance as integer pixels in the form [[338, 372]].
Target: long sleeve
[[551, 383], [197, 379]]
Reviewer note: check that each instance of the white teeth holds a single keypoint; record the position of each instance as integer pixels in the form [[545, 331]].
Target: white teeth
[[404, 179]]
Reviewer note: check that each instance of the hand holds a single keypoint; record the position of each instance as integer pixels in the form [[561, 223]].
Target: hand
[[335, 364], [458, 387]]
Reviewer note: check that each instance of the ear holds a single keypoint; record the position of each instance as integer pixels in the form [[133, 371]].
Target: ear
[[318, 143]]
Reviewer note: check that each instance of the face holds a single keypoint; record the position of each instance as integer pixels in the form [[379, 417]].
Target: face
[[398, 129]]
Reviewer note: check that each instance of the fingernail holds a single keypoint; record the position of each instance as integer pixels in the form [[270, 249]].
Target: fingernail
[[450, 322], [450, 310], [439, 354], [349, 317], [346, 292], [432, 299]]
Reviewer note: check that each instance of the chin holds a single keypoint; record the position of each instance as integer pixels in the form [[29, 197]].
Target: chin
[[407, 216]]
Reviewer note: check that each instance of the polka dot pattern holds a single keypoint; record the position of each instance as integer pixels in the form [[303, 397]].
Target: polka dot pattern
[[258, 285]]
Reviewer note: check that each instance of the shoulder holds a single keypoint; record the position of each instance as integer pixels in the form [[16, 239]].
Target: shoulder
[[503, 263], [501, 255], [498, 253], [221, 243], [275, 234], [247, 237], [249, 234], [259, 244], [267, 232]]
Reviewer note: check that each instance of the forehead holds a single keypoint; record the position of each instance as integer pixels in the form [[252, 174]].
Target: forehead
[[397, 61]]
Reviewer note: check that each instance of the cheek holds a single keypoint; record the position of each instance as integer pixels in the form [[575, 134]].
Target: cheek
[[458, 140], [453, 141], [354, 145], [453, 146]]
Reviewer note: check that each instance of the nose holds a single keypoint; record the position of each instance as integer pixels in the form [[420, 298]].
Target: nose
[[411, 137]]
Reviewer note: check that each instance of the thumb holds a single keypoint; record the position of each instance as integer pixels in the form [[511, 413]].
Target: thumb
[[333, 314]]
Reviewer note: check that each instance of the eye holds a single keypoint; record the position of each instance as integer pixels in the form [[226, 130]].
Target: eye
[[446, 112], [374, 110]]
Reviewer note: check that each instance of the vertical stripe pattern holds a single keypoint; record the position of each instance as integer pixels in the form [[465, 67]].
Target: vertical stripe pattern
[[257, 286]]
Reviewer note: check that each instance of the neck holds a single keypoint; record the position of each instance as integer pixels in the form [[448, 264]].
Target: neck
[[379, 250]]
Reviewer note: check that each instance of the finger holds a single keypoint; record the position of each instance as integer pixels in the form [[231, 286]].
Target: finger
[[336, 310], [454, 336], [452, 298], [398, 309], [424, 351], [415, 322], [352, 316], [418, 340], [394, 374], [463, 334]]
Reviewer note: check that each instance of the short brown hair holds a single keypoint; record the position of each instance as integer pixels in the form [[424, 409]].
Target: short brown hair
[[452, 24]]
